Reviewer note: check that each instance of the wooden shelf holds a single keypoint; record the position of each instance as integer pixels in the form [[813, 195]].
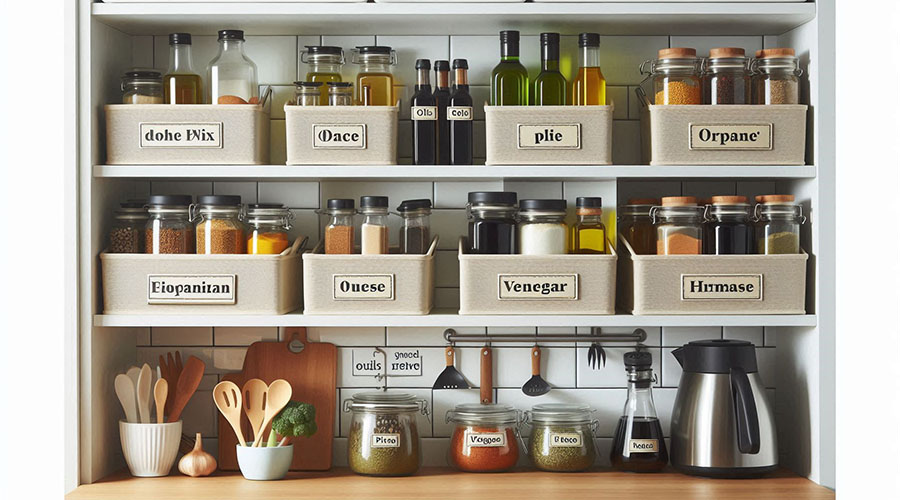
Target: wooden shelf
[[444, 483]]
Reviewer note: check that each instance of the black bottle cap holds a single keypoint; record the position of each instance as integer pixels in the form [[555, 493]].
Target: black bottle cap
[[493, 197], [179, 38], [511, 36], [588, 40], [442, 65], [341, 203], [588, 202], [548, 38], [423, 64], [460, 64], [638, 359], [550, 46], [555, 205], [374, 49], [717, 356], [509, 43], [263, 206], [409, 205], [219, 199], [231, 35], [308, 84], [324, 49], [143, 74], [373, 201], [170, 199], [340, 84]]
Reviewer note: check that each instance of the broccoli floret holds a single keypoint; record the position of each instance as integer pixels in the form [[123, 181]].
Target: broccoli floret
[[295, 420]]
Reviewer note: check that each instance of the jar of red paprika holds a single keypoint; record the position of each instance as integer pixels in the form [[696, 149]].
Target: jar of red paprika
[[485, 437]]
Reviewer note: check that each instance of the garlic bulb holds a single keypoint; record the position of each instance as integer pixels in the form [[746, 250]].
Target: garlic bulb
[[197, 462]]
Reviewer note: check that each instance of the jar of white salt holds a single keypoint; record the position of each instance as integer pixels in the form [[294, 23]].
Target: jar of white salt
[[542, 227]]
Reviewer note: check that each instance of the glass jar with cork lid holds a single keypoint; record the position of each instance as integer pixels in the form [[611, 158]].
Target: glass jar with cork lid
[[675, 75], [219, 227], [729, 227], [339, 237], [679, 226], [589, 232], [778, 221], [726, 76], [384, 437], [636, 226], [562, 437], [776, 77]]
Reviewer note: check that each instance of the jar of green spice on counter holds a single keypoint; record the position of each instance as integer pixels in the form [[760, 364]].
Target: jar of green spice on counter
[[778, 221], [384, 438], [562, 437]]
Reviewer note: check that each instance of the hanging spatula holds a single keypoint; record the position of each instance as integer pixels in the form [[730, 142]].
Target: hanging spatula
[[450, 378], [535, 386]]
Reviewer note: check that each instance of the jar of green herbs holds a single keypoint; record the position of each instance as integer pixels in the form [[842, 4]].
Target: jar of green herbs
[[384, 438], [562, 437]]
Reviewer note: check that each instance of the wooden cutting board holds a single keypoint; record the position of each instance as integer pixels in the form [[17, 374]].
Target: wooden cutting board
[[312, 373]]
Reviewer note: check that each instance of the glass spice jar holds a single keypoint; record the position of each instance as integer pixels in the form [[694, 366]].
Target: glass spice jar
[[127, 233], [374, 231], [589, 232], [339, 237], [492, 222], [340, 94], [374, 81], [142, 87], [726, 77], [384, 437], [675, 75], [778, 221], [325, 63], [169, 229], [307, 93], [679, 226], [636, 226], [542, 227], [415, 233], [728, 227], [484, 437], [267, 228], [776, 77], [219, 228], [562, 437]]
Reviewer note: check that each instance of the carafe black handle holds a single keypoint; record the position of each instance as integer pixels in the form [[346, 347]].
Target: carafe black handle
[[745, 414]]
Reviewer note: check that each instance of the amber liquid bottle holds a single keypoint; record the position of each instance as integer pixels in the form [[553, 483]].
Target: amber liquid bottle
[[181, 84], [589, 85], [442, 100], [424, 117], [460, 113]]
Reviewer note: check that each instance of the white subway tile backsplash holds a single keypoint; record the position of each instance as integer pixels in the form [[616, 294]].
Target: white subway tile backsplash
[[771, 336], [396, 191], [142, 51], [482, 53], [290, 194], [200, 415], [626, 144], [348, 72], [305, 223], [281, 95], [423, 336], [246, 190], [444, 401], [275, 58], [621, 56], [766, 362], [481, 95], [446, 299], [752, 188], [643, 189], [181, 336], [142, 337], [752, 334], [613, 373], [450, 225], [671, 370], [514, 366], [535, 189], [278, 144], [410, 48], [452, 194], [193, 188], [363, 336], [676, 336], [704, 190]]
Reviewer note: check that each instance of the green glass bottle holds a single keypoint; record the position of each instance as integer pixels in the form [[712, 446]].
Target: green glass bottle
[[509, 80], [550, 86]]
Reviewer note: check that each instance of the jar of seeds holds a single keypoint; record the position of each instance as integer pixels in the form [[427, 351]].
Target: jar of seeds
[[384, 438], [675, 75], [219, 226], [776, 77], [127, 233], [562, 437], [169, 229]]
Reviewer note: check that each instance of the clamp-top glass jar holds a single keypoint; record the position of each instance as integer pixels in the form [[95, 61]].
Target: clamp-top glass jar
[[142, 87], [729, 228], [340, 94], [169, 229], [374, 81], [679, 226], [268, 226], [127, 233], [492, 222], [637, 227], [776, 77], [726, 77], [778, 221], [325, 63], [384, 437], [562, 437], [542, 227], [675, 75], [308, 93], [485, 437], [218, 225]]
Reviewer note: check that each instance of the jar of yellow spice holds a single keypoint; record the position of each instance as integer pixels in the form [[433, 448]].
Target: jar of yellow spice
[[268, 225], [675, 75]]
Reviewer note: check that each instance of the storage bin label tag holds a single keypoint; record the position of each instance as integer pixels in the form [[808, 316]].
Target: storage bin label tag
[[181, 135], [550, 136], [427, 113], [643, 446], [363, 287], [339, 136], [537, 286], [385, 440], [565, 440], [721, 286], [191, 289], [463, 113], [743, 137], [485, 439]]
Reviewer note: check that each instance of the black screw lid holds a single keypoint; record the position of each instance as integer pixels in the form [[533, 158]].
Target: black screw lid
[[373, 201], [410, 205], [548, 38], [143, 74], [638, 359], [170, 199], [324, 49], [256, 206], [460, 64], [555, 205], [589, 202], [308, 84], [179, 38], [340, 84], [341, 203], [219, 199], [442, 65], [231, 34], [509, 43], [493, 197], [717, 356], [374, 49], [509, 36], [423, 64], [588, 40]]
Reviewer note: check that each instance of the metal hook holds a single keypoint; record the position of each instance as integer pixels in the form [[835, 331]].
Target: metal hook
[[382, 377]]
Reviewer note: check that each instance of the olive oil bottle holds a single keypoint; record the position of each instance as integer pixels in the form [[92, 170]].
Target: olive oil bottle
[[550, 86], [509, 79], [442, 100], [589, 86], [460, 113], [181, 84], [424, 117]]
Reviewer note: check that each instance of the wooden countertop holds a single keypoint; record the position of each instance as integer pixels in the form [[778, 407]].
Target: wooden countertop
[[445, 483]]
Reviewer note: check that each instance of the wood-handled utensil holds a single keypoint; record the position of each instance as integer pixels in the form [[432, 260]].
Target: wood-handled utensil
[[535, 386], [178, 364], [188, 382], [450, 378], [487, 375], [167, 373], [145, 377], [125, 392], [227, 396], [133, 373], [277, 397], [160, 393], [254, 394]]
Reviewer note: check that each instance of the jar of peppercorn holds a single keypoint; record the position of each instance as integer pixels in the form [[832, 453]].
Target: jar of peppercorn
[[562, 437], [485, 437], [169, 228], [675, 75], [384, 437], [127, 233], [726, 77]]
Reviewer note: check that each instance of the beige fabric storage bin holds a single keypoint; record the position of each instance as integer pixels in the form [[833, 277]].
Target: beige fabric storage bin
[[575, 284], [223, 134], [368, 135], [259, 284], [521, 135], [686, 134], [368, 284], [673, 284]]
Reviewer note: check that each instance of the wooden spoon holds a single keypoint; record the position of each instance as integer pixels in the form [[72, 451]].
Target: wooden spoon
[[125, 392], [133, 373], [187, 384], [254, 394], [143, 393], [277, 397], [167, 373], [227, 396], [160, 393]]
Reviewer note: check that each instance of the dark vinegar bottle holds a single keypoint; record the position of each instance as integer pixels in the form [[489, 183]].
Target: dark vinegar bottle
[[424, 117], [638, 445], [459, 115], [442, 100]]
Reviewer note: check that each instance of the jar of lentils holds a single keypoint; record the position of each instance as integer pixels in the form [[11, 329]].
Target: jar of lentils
[[219, 226], [384, 437], [127, 233], [776, 77], [562, 437], [485, 437], [676, 76], [726, 77], [169, 229]]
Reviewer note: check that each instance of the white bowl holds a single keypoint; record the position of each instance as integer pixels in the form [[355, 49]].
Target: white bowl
[[150, 449], [265, 464]]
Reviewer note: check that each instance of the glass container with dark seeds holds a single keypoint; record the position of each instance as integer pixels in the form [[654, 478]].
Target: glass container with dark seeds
[[384, 437], [127, 233], [562, 437], [415, 233]]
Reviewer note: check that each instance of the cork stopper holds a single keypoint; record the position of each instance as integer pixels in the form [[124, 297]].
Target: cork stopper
[[678, 53], [643, 201], [726, 52], [679, 201], [728, 200], [780, 52], [775, 198]]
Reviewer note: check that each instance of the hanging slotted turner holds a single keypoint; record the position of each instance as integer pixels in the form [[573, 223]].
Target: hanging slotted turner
[[450, 378], [536, 386]]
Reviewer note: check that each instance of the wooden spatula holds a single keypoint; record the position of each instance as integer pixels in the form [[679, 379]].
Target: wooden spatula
[[277, 397], [125, 392], [160, 393], [143, 393], [254, 394], [187, 385], [227, 396]]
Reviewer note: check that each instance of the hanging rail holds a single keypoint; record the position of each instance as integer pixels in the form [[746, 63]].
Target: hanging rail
[[596, 336]]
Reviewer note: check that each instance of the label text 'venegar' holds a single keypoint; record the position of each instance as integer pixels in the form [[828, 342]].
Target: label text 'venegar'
[[731, 137], [721, 287], [537, 286]]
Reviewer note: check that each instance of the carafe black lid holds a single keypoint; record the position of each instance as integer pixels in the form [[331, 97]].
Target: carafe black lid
[[410, 205], [373, 201], [717, 356], [341, 204], [638, 359]]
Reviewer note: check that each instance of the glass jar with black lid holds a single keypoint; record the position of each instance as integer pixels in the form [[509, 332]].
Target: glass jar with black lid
[[415, 233], [729, 228], [307, 93], [374, 80], [267, 228], [219, 225], [340, 94], [169, 229], [142, 87], [127, 233], [325, 63], [492, 222], [542, 228]]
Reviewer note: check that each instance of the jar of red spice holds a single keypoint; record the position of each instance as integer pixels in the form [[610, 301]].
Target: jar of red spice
[[485, 437], [679, 226]]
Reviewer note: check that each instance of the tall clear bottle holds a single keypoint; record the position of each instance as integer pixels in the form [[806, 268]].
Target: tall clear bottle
[[550, 86], [460, 113], [589, 86], [442, 100], [232, 76], [182, 85], [638, 445], [509, 79], [424, 117]]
